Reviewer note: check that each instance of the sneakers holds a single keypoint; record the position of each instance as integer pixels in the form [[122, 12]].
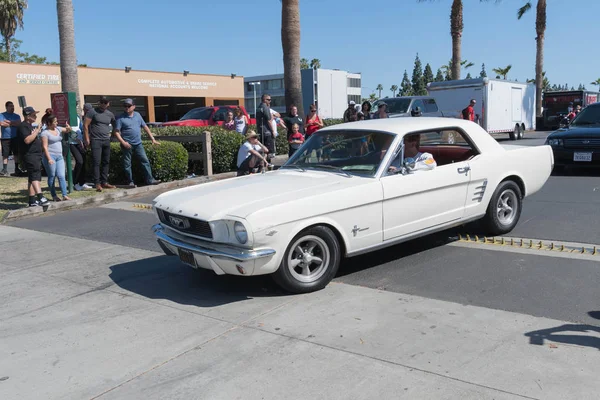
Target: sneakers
[[86, 186], [131, 185], [43, 202], [4, 173], [154, 182]]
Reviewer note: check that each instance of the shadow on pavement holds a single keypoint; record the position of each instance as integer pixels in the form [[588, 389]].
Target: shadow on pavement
[[576, 171], [393, 253], [594, 314], [166, 278], [538, 337]]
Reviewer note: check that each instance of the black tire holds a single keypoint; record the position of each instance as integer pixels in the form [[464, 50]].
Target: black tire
[[327, 248], [513, 135], [493, 222], [520, 134]]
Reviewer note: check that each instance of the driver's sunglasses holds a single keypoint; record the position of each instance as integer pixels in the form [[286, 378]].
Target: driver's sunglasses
[[127, 105], [268, 99]]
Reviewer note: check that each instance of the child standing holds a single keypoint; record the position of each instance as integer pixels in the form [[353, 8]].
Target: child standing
[[295, 140]]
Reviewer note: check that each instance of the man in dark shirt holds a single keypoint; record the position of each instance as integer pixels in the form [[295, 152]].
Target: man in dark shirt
[[129, 133], [31, 153], [293, 118], [264, 126], [97, 131]]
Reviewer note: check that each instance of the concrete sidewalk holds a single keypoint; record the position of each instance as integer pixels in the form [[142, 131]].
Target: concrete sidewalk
[[84, 319]]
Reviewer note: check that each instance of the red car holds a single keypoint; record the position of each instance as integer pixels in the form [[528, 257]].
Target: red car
[[207, 116]]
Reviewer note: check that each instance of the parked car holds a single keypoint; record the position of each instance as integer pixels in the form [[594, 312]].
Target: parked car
[[407, 106], [501, 106], [338, 196], [579, 143], [206, 116]]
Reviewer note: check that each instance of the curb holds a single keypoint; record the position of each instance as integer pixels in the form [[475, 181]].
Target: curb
[[109, 197]]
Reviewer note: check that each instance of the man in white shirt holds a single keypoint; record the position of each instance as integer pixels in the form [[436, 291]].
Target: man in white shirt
[[249, 156], [423, 161]]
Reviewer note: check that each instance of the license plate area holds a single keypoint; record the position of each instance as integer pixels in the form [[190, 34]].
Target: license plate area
[[585, 157], [187, 257]]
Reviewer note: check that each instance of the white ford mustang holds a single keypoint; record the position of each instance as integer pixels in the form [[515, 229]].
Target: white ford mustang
[[350, 189]]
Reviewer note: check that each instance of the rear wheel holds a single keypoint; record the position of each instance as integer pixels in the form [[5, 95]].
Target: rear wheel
[[513, 135], [504, 210], [310, 261], [521, 132]]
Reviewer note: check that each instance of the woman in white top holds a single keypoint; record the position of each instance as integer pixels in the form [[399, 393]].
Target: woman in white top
[[241, 122]]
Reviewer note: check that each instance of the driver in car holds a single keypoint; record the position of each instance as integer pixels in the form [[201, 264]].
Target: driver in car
[[423, 161]]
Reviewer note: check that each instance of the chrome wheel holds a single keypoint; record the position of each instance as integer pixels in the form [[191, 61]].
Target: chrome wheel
[[507, 207], [308, 259]]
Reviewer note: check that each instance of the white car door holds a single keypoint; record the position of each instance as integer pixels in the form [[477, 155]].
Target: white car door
[[422, 200]]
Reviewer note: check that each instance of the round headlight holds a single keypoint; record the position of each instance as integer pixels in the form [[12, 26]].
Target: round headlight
[[240, 232]]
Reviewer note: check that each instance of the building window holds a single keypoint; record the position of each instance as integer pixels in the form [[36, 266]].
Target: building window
[[249, 87], [274, 84], [354, 97], [277, 101], [354, 82]]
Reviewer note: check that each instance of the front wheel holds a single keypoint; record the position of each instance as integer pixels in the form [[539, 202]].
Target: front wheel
[[310, 262], [504, 209]]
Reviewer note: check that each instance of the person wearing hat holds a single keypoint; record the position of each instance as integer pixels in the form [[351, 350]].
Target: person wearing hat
[[78, 150], [381, 111], [350, 114], [31, 152], [128, 132], [96, 133], [249, 155]]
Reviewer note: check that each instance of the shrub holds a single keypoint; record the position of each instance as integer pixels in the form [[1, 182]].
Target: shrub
[[168, 162]]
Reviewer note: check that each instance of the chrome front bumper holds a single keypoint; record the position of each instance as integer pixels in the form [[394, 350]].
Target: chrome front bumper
[[222, 259]]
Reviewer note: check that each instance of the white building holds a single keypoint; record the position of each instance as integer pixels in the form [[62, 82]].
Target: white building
[[329, 89]]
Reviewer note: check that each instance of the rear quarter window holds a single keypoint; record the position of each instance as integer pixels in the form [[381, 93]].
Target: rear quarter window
[[430, 106]]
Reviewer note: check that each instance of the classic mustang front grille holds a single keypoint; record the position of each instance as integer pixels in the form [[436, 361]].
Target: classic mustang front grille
[[582, 143], [188, 225]]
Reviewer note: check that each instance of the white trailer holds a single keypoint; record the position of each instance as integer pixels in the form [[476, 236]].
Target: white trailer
[[502, 106]]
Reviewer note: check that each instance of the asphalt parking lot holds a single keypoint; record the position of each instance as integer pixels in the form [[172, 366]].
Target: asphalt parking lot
[[99, 286]]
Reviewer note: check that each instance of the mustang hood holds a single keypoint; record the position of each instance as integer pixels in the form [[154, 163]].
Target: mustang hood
[[241, 196]]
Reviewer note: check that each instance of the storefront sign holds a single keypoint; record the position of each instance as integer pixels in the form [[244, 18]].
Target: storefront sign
[[173, 84], [38, 79]]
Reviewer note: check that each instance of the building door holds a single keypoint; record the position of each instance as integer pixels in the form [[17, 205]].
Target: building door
[[516, 101]]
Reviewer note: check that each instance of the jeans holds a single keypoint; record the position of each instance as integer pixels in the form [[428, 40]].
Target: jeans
[[79, 171], [56, 170], [100, 155], [140, 153]]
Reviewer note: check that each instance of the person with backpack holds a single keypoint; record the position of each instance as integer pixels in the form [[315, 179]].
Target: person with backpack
[[469, 111]]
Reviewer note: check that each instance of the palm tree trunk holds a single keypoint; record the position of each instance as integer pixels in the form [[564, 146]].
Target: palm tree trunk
[[68, 58], [540, 26], [290, 41], [8, 49], [456, 28]]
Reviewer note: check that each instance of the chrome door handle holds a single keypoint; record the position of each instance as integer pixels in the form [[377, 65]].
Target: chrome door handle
[[464, 170]]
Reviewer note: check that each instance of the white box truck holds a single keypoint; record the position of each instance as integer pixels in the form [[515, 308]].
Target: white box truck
[[502, 106]]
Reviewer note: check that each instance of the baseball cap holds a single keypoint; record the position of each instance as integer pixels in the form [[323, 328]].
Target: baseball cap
[[29, 110], [103, 100], [87, 107], [128, 101], [351, 103]]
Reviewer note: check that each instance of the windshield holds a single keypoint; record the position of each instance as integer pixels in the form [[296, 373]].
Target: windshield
[[587, 116], [347, 151], [394, 106], [202, 113]]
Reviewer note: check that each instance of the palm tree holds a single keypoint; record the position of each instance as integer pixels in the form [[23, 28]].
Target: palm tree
[[379, 88], [304, 63], [545, 82], [315, 63], [540, 29], [502, 71], [372, 97], [448, 68], [290, 42], [394, 88], [68, 58], [11, 18], [596, 82]]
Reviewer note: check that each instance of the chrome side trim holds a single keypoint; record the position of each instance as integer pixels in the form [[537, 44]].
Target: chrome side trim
[[227, 252], [419, 234]]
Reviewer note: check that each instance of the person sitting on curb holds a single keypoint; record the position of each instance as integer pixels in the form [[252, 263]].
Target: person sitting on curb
[[250, 159], [128, 131]]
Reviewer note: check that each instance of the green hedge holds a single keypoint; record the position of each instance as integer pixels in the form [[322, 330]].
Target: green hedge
[[225, 144], [167, 160]]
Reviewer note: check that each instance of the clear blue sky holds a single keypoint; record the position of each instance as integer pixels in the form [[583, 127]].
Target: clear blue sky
[[378, 39]]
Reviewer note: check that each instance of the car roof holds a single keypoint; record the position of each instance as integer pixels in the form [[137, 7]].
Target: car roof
[[403, 97], [401, 126]]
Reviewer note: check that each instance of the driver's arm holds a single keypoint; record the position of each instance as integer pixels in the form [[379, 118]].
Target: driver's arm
[[425, 162]]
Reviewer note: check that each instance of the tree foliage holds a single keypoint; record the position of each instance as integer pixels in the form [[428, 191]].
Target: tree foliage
[[417, 81], [406, 87]]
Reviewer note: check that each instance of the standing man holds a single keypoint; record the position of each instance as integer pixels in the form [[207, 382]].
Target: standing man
[[350, 114], [129, 132], [469, 111], [31, 153], [264, 124], [293, 118], [96, 132], [9, 121]]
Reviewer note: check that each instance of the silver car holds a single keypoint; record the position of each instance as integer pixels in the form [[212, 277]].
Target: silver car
[[409, 106]]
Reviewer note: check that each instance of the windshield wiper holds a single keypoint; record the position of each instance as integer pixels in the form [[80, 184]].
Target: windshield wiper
[[338, 169], [294, 166]]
